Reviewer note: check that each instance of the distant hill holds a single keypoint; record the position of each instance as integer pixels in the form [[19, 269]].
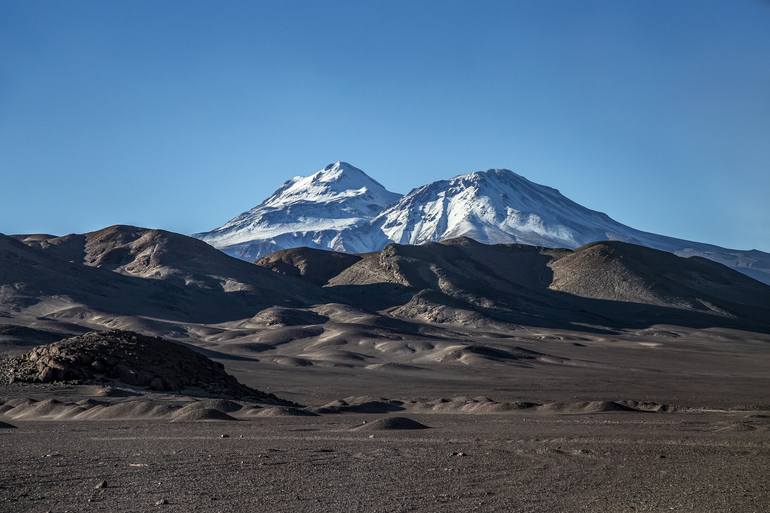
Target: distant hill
[[135, 271], [315, 265], [163, 283], [615, 283]]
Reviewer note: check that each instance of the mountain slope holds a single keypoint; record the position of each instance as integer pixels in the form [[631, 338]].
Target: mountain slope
[[315, 265], [457, 301], [306, 211], [162, 255], [492, 207], [341, 208], [463, 281], [626, 272], [498, 206], [41, 286], [27, 275], [139, 271]]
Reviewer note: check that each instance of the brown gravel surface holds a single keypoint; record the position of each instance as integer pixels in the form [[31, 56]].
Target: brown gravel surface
[[614, 462]]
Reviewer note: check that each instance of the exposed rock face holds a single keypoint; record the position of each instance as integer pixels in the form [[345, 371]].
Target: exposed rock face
[[129, 358]]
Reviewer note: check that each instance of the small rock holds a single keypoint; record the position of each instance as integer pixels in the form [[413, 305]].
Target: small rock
[[100, 485], [224, 436], [161, 502]]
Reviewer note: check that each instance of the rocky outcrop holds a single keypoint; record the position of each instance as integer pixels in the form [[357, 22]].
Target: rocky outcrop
[[131, 359]]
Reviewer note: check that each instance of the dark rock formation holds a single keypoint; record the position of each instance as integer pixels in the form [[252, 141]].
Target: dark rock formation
[[130, 358], [391, 423]]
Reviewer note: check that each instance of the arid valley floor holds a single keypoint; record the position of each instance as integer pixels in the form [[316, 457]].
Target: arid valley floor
[[609, 462], [710, 453]]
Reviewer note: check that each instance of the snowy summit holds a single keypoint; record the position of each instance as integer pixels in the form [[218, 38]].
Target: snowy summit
[[304, 211], [341, 208]]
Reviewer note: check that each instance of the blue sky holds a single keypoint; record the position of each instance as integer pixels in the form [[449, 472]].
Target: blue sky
[[181, 114]]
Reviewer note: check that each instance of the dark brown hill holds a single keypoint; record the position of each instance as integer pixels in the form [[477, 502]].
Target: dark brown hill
[[620, 271], [27, 275], [315, 265], [163, 255], [608, 283], [122, 357], [135, 271]]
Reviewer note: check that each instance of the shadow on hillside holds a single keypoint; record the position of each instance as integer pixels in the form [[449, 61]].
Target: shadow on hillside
[[551, 309]]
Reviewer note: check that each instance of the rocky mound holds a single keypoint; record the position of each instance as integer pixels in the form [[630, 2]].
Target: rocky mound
[[129, 358], [283, 411], [201, 415], [222, 405], [475, 405], [587, 407], [281, 316], [363, 404], [391, 423]]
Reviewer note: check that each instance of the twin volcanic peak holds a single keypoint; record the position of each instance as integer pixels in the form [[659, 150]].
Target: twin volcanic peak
[[342, 209]]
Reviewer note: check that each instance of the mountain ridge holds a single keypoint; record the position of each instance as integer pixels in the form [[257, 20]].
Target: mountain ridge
[[134, 271], [340, 208], [461, 281], [144, 279]]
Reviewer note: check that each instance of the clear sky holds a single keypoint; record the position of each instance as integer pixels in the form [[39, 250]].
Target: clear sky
[[181, 114]]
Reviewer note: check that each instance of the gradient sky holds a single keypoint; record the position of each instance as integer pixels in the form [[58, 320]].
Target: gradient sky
[[182, 114]]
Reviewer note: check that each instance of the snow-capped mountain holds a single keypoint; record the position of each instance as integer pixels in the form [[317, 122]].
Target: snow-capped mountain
[[305, 211], [500, 206], [495, 206], [341, 208]]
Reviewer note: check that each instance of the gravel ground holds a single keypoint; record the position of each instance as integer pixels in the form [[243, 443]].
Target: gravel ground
[[615, 462]]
